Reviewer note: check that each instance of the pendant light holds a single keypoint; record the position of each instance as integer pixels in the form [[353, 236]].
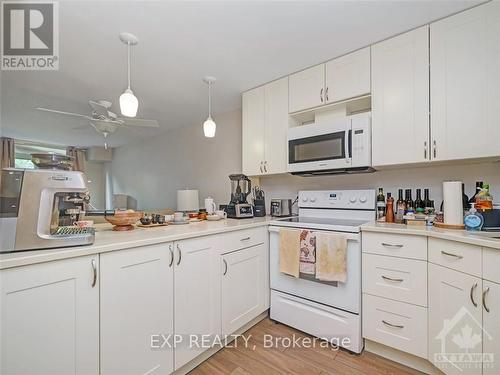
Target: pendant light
[[209, 125], [128, 101]]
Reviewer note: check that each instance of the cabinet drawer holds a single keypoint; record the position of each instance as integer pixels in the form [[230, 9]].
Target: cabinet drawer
[[456, 255], [399, 245], [491, 264], [403, 280], [395, 324], [241, 239]]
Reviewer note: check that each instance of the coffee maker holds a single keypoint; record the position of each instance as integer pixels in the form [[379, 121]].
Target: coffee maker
[[39, 207], [241, 187]]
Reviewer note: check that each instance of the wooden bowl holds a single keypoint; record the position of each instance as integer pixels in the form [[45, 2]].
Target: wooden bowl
[[124, 220]]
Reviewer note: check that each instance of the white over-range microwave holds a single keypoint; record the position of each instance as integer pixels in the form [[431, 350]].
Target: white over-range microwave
[[341, 145]]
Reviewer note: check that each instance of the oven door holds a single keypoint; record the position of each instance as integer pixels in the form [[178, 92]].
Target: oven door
[[318, 147], [345, 296]]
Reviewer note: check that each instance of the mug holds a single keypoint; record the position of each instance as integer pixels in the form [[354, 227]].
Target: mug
[[179, 216], [210, 205], [221, 214]]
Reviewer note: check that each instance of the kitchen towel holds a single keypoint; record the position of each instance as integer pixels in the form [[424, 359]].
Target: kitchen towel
[[307, 252], [289, 251], [453, 210], [331, 257]]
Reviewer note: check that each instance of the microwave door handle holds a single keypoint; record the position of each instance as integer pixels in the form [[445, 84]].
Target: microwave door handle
[[347, 146]]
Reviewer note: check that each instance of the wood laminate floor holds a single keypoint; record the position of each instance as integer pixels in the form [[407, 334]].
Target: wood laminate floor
[[257, 358]]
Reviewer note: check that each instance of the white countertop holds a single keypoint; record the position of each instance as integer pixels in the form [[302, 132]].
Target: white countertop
[[473, 238], [109, 240]]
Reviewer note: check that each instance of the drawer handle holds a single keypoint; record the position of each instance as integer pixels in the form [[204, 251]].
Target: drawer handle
[[245, 239], [392, 325], [392, 246], [391, 279], [452, 255], [484, 299], [473, 287]]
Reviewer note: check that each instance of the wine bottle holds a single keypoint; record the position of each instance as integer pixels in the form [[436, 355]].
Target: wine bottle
[[400, 207], [419, 203], [380, 205]]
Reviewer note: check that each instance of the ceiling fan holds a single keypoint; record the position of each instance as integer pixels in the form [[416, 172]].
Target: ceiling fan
[[103, 120]]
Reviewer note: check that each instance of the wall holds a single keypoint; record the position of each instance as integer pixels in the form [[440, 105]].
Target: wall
[[287, 186], [152, 170]]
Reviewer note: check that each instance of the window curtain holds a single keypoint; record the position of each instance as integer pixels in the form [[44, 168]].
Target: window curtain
[[7, 154], [79, 158]]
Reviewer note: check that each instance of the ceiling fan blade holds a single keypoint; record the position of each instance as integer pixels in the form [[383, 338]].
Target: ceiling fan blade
[[139, 122], [64, 113], [81, 127], [99, 108]]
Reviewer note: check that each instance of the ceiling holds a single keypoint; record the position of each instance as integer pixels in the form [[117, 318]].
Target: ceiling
[[242, 43]]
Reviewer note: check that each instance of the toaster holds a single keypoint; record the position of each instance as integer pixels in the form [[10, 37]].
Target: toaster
[[281, 207]]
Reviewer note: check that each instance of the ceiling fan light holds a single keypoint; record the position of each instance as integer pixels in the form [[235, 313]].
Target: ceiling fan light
[[128, 103], [209, 128]]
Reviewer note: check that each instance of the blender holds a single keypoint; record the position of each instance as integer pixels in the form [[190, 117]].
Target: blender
[[238, 207]]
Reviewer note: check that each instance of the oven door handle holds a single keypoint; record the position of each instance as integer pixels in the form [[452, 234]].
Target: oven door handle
[[349, 236]]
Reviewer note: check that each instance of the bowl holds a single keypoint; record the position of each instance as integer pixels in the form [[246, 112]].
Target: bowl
[[213, 217], [124, 220]]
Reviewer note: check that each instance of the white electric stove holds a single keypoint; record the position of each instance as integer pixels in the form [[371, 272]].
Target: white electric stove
[[331, 311]]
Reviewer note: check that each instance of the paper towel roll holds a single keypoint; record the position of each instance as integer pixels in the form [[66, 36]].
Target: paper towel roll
[[187, 200], [453, 210]]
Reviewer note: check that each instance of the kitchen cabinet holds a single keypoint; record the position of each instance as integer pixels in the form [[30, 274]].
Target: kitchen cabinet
[[491, 324], [136, 302], [50, 318], [243, 286], [348, 76], [400, 99], [454, 305], [265, 123], [197, 297], [465, 84], [307, 88]]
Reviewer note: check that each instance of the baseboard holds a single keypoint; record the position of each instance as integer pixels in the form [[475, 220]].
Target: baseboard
[[210, 352], [403, 358]]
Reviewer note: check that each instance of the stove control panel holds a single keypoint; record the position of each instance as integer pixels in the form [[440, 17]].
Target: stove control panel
[[340, 199]]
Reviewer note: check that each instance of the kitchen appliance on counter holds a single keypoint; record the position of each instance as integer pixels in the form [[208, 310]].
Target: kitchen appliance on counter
[[281, 207], [341, 145], [238, 207], [259, 202], [38, 209], [329, 310]]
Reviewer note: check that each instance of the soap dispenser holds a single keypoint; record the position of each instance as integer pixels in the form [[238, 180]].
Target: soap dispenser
[[473, 220]]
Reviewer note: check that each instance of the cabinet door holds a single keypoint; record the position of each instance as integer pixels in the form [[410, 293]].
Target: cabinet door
[[136, 303], [253, 131], [243, 287], [400, 99], [455, 319], [465, 84], [197, 299], [307, 88], [49, 318], [348, 76], [276, 129], [491, 324]]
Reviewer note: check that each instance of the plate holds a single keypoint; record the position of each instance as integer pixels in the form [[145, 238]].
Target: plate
[[213, 217], [179, 222]]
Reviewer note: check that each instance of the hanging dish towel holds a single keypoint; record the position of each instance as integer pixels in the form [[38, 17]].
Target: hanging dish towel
[[307, 252], [331, 254], [290, 251]]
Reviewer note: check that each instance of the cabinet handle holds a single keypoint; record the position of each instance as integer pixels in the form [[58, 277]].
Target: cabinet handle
[[180, 254], [434, 148], [452, 255], [245, 239], [265, 166], [391, 246], [321, 95], [484, 299], [94, 270], [391, 279], [225, 267], [425, 150], [326, 93], [261, 171], [473, 287], [171, 255], [392, 325]]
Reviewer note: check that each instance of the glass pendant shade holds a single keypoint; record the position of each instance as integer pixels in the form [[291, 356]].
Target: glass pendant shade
[[209, 128], [128, 103]]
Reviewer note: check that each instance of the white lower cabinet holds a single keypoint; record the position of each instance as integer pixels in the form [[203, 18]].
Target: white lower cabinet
[[136, 303], [243, 287], [49, 318], [491, 325]]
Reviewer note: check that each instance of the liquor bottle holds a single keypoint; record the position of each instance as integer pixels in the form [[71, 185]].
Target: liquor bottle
[[389, 212], [380, 205], [410, 207], [479, 186], [419, 203], [400, 208]]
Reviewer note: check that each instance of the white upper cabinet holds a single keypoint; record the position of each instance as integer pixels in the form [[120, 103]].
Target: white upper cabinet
[[307, 88], [400, 99], [465, 84], [265, 122], [348, 76], [50, 318]]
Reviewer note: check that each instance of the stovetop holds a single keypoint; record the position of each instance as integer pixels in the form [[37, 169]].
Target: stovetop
[[333, 224]]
